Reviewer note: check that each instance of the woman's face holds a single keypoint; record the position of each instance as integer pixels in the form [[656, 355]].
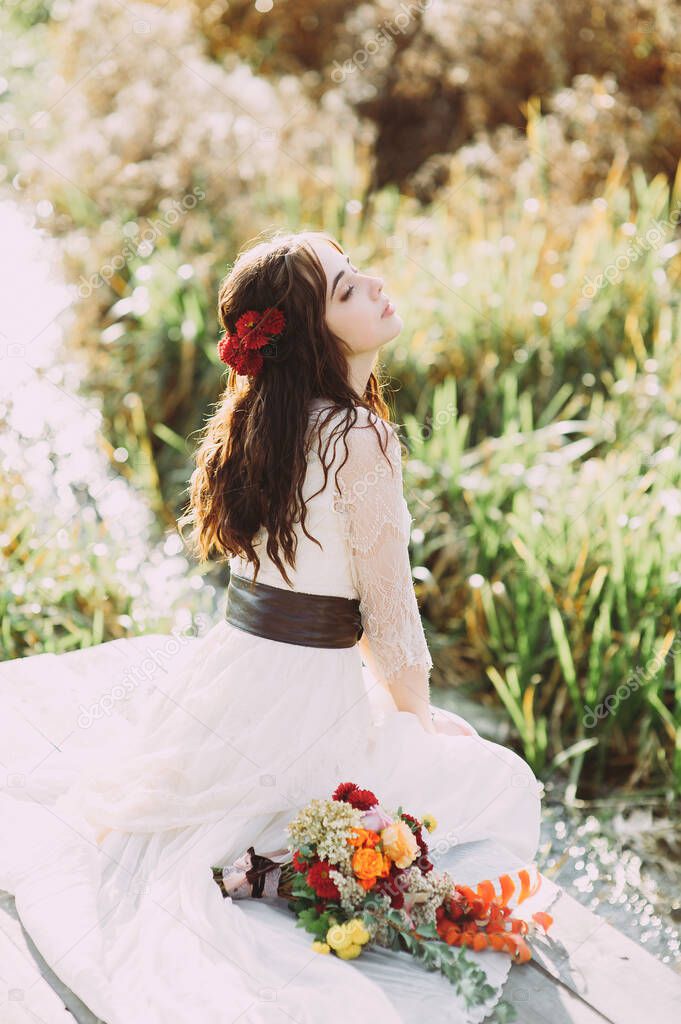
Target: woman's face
[[355, 303]]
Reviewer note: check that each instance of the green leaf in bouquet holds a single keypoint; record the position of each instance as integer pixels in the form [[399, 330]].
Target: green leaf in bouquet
[[302, 890], [429, 931], [504, 1013], [468, 978], [314, 922], [429, 953], [473, 985]]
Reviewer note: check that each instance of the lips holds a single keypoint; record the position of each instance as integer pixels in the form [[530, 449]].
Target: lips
[[388, 310]]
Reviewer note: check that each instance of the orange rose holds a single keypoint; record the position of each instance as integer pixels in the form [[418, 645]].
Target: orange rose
[[369, 864], [400, 844], [364, 837]]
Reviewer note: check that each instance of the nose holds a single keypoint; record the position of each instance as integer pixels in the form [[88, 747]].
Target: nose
[[378, 285]]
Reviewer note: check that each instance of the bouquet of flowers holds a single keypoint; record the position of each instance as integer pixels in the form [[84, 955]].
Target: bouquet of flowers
[[360, 874]]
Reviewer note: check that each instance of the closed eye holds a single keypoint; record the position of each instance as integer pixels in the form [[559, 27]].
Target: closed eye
[[346, 294]]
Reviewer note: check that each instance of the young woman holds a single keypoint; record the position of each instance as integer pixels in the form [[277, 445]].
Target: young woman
[[317, 674]]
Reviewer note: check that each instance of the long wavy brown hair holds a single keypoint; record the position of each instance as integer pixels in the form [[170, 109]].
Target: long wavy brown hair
[[252, 455]]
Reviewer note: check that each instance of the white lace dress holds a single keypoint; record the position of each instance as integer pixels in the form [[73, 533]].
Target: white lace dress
[[192, 749]]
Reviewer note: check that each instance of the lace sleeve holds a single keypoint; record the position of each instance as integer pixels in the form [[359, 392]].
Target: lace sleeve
[[376, 527]]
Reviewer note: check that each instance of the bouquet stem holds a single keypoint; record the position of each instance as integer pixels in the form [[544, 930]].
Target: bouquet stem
[[255, 876]]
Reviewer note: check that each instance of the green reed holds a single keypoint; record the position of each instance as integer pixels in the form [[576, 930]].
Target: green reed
[[554, 556]]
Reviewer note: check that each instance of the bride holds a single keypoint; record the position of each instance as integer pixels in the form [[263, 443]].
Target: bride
[[318, 673]]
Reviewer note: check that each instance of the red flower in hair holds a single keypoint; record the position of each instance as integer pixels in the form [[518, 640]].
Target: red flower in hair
[[254, 330], [246, 362], [228, 347]]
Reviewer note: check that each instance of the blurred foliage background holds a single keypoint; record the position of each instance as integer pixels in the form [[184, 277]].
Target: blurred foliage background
[[513, 169]]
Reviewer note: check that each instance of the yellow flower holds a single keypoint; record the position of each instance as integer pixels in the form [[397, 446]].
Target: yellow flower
[[400, 844], [349, 952], [430, 821], [337, 937], [321, 947], [357, 932]]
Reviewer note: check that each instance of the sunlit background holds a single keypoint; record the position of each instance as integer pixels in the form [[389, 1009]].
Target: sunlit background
[[511, 169]]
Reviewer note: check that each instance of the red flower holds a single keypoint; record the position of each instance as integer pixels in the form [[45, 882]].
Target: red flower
[[254, 328], [228, 345], [392, 887], [298, 863], [362, 799], [273, 321], [341, 792], [248, 330], [350, 793], [248, 364], [318, 878], [245, 361]]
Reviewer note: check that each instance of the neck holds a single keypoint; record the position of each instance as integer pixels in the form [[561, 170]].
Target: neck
[[360, 367]]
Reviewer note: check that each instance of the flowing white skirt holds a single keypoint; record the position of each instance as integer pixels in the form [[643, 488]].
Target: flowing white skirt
[[189, 750]]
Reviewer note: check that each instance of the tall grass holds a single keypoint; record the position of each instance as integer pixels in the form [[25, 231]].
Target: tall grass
[[557, 555]]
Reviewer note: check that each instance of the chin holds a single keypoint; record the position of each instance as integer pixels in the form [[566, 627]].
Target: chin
[[395, 326]]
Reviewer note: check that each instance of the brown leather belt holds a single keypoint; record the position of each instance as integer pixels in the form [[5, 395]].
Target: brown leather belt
[[291, 616]]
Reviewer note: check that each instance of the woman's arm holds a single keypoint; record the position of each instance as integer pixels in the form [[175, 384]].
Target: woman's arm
[[408, 689], [377, 526]]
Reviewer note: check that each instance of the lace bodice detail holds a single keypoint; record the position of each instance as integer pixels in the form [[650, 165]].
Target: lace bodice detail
[[364, 526]]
